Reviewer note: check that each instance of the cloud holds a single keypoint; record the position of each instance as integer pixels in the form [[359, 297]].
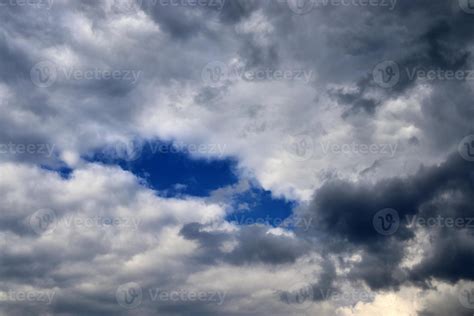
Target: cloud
[[345, 217], [296, 98]]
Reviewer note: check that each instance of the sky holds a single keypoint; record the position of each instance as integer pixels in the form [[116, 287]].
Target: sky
[[236, 157]]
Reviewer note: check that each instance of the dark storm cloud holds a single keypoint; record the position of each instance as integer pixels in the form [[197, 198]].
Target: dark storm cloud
[[451, 259], [343, 215], [437, 38], [253, 244]]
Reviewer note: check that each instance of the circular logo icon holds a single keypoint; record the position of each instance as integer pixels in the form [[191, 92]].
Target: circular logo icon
[[466, 148], [300, 147], [43, 221], [301, 6], [386, 222], [127, 6], [386, 74], [215, 73], [129, 295], [44, 74], [467, 6], [300, 296], [466, 296]]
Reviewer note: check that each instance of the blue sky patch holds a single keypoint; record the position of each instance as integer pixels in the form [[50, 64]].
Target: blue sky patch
[[257, 206], [175, 173], [170, 171]]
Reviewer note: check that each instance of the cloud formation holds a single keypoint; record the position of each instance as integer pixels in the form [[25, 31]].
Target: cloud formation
[[359, 112]]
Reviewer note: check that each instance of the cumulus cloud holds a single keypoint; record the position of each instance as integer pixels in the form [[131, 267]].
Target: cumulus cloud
[[353, 111]]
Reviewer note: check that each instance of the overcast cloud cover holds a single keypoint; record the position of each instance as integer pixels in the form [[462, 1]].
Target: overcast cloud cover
[[358, 114]]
